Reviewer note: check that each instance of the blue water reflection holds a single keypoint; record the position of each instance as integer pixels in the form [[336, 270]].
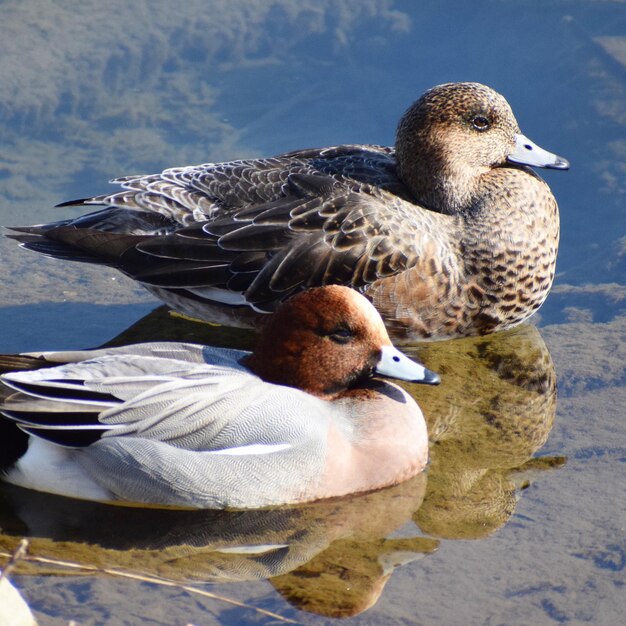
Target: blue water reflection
[[45, 326], [95, 90]]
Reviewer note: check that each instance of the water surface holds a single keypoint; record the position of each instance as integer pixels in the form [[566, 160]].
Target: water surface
[[521, 518]]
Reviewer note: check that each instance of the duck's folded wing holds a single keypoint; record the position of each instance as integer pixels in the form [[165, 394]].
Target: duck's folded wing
[[169, 351], [254, 445], [130, 229], [56, 402], [196, 193], [219, 411], [325, 232], [195, 406]]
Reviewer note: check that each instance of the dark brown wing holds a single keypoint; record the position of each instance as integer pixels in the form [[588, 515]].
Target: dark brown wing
[[260, 229], [324, 231], [162, 203]]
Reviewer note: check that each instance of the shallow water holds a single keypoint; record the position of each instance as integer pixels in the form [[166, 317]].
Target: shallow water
[[521, 518]]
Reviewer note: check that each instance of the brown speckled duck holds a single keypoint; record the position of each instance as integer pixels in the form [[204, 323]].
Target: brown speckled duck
[[449, 234]]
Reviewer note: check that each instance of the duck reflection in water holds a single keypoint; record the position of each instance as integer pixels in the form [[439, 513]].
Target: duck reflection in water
[[332, 558]]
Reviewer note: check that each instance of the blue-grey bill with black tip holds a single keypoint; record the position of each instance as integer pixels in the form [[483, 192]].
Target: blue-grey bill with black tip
[[527, 152], [395, 364]]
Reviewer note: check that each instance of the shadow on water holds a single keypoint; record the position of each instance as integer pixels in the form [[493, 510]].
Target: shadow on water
[[63, 325], [332, 558]]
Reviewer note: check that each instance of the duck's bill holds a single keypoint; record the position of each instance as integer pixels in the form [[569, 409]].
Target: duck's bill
[[527, 152], [395, 364]]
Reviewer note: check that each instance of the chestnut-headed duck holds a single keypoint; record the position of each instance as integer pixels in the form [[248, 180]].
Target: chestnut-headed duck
[[302, 418], [449, 234]]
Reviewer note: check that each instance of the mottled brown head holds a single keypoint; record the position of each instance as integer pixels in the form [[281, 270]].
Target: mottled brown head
[[451, 136]]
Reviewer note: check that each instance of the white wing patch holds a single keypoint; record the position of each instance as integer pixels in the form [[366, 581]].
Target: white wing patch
[[255, 448]]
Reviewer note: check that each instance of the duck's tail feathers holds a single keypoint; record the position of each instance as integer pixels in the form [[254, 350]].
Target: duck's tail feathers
[[55, 249], [68, 424], [101, 237], [60, 410]]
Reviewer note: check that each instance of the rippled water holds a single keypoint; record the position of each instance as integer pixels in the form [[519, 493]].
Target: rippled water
[[521, 518]]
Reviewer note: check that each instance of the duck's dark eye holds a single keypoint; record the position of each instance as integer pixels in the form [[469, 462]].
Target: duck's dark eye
[[480, 122], [341, 335]]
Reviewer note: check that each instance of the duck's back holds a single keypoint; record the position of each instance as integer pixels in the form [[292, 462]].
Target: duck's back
[[180, 196]]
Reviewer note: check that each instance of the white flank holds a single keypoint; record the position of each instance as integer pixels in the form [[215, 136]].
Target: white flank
[[53, 469]]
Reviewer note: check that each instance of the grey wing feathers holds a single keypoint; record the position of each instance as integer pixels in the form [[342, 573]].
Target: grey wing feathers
[[229, 452], [176, 351], [221, 411], [189, 404], [79, 393]]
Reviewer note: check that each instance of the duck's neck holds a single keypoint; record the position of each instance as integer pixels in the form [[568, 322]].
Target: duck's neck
[[452, 190]]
